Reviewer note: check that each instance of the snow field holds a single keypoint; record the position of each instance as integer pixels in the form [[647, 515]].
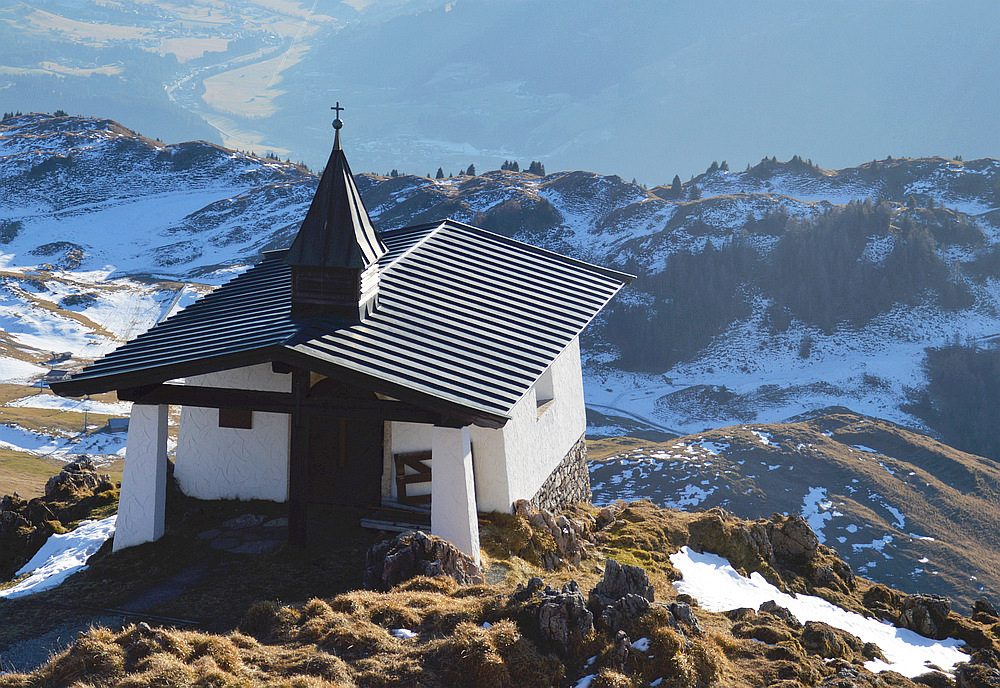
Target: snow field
[[712, 581], [61, 556]]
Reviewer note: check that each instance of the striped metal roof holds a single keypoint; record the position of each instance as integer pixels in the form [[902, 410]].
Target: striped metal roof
[[465, 317]]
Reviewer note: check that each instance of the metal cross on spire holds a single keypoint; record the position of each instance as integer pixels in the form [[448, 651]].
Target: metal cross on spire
[[337, 124]]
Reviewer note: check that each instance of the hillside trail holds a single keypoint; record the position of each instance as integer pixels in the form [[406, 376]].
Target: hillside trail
[[71, 621]]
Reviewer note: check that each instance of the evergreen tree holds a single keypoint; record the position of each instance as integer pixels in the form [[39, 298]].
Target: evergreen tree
[[514, 167], [713, 168], [471, 171], [724, 166], [440, 174], [536, 168], [676, 187]]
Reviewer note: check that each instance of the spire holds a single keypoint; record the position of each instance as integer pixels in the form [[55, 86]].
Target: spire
[[334, 256], [337, 231]]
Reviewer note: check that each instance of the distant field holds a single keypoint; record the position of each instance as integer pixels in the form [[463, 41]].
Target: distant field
[[236, 135], [25, 474], [93, 34], [191, 48], [250, 91]]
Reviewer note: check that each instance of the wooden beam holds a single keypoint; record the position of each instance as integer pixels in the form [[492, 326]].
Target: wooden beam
[[284, 402], [298, 461]]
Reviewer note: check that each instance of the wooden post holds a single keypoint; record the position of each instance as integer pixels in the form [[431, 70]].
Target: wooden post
[[298, 461]]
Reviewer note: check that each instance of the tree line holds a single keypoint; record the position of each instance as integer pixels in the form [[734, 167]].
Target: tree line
[[822, 271]]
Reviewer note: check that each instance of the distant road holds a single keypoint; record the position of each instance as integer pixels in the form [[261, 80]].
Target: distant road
[[634, 416]]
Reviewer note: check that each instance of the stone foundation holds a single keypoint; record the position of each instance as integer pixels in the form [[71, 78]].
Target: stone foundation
[[569, 482]]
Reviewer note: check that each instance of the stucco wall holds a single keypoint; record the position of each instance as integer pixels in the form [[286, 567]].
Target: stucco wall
[[536, 445], [513, 462], [533, 445], [229, 463]]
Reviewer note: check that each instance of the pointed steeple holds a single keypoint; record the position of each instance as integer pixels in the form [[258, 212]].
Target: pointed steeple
[[334, 257]]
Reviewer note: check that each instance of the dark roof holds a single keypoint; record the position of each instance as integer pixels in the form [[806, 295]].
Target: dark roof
[[467, 321], [337, 232]]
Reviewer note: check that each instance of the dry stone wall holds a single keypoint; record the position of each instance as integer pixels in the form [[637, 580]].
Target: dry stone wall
[[569, 482]]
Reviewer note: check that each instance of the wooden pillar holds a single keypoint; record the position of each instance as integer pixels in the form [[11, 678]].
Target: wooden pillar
[[298, 461], [454, 516], [143, 501]]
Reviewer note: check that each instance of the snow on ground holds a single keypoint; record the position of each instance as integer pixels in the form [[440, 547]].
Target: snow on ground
[[682, 478], [50, 401], [14, 371], [60, 447], [816, 510], [61, 556], [718, 587], [870, 370]]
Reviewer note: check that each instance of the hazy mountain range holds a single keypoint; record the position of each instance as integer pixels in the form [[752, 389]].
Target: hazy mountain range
[[641, 89]]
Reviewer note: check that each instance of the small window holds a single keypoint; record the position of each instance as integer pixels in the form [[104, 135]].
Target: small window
[[242, 419], [544, 392]]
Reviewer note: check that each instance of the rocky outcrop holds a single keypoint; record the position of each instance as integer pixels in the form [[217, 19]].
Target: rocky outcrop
[[926, 615], [415, 553], [620, 581], [559, 618], [76, 479], [568, 534]]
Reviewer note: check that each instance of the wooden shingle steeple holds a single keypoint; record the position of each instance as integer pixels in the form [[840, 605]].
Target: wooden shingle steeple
[[334, 257]]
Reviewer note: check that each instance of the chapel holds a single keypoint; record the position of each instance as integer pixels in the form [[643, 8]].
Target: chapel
[[433, 369]]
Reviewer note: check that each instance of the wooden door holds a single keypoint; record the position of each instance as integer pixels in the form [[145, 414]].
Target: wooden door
[[345, 454]]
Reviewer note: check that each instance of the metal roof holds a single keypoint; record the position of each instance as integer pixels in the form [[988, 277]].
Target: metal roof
[[467, 320]]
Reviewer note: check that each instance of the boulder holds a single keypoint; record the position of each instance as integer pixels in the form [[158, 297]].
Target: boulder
[[683, 617], [829, 642], [793, 540], [985, 607], [563, 619], [623, 613], [926, 615], [414, 553], [883, 601], [968, 675], [777, 611], [622, 648], [77, 476], [619, 581], [606, 517]]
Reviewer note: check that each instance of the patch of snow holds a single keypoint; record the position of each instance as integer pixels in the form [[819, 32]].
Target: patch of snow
[[718, 587], [403, 633], [815, 509], [642, 645], [51, 401], [61, 556]]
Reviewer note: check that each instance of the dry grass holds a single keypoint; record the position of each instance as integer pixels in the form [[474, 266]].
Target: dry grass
[[347, 640], [25, 474]]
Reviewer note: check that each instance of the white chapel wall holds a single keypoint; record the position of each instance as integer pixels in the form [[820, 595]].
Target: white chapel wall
[[229, 463], [513, 462], [535, 444]]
